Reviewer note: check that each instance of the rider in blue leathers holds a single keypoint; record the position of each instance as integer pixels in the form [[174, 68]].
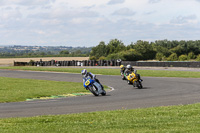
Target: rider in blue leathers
[[87, 74]]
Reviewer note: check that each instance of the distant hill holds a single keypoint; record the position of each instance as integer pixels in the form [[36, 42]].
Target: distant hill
[[46, 51]]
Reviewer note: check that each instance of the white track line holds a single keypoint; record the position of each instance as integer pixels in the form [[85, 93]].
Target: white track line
[[112, 89]]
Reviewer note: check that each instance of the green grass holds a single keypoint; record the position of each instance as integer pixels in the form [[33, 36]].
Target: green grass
[[183, 118], [166, 73], [15, 89], [143, 73]]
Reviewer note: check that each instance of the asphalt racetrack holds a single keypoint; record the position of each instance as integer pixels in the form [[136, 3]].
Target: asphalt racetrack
[[156, 92]]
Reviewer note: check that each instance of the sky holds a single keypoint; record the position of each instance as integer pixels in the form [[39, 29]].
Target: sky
[[88, 22]]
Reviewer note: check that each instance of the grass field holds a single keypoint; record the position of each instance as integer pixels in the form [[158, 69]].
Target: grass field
[[15, 89], [158, 119], [143, 73]]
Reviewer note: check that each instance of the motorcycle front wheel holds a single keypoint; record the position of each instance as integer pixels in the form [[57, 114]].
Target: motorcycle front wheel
[[94, 90], [139, 85], [103, 93]]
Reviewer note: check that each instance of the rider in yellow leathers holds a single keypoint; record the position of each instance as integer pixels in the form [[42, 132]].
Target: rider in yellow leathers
[[129, 70]]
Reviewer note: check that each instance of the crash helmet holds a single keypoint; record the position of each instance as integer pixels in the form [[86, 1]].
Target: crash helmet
[[121, 66], [84, 72], [129, 67]]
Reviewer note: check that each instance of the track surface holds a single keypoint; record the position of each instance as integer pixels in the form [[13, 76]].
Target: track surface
[[156, 92]]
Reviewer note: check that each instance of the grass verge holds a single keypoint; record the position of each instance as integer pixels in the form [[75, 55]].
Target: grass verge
[[143, 73], [182, 118], [15, 89]]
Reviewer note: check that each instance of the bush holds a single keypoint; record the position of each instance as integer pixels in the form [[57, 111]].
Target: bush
[[102, 58], [92, 58], [31, 62], [191, 55], [128, 55], [172, 57], [183, 57], [198, 58], [159, 56]]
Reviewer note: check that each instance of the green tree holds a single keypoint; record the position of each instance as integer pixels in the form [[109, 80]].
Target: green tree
[[115, 46], [145, 49], [163, 50], [64, 52], [132, 55], [99, 50], [179, 50], [131, 46]]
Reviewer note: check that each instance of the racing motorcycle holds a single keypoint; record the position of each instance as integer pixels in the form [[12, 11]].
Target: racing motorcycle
[[134, 79], [94, 87]]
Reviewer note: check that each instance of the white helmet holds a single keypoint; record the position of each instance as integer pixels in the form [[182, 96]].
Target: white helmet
[[128, 66], [84, 72]]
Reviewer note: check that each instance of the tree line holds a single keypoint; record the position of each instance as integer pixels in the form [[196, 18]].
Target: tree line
[[162, 50]]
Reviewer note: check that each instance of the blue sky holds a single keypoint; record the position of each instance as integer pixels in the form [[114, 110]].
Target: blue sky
[[87, 22]]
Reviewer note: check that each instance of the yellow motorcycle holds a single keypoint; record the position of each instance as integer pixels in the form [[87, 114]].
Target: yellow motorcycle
[[134, 79]]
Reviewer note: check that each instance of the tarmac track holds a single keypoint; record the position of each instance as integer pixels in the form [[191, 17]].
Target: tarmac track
[[156, 92]]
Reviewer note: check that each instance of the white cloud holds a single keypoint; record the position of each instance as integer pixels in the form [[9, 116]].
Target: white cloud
[[180, 20], [10, 13], [124, 12], [154, 1], [25, 2], [113, 2]]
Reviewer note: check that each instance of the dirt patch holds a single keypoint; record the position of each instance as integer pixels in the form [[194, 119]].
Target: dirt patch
[[10, 61]]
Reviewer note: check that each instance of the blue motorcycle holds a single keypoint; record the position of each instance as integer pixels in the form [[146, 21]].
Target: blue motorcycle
[[94, 87]]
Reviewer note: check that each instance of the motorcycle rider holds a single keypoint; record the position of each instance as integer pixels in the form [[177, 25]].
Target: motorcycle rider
[[87, 74], [129, 70], [123, 68]]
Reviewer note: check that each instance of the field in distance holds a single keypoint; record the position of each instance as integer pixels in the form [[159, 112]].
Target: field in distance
[[10, 61]]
